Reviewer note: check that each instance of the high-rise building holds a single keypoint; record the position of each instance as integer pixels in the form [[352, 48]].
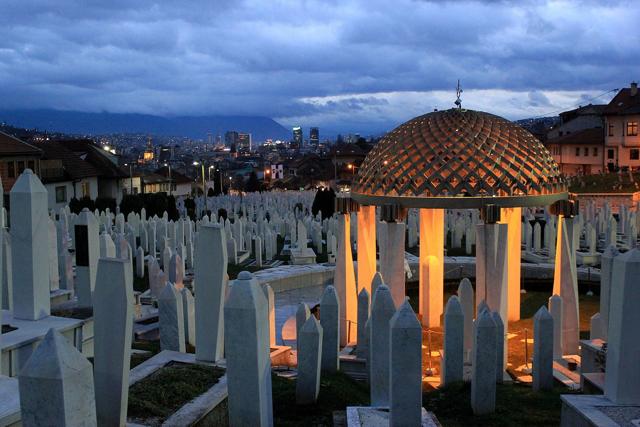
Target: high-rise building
[[314, 136], [230, 138], [243, 144], [297, 137]]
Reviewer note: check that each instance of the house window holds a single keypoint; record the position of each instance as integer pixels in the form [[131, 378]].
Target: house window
[[11, 169], [634, 154], [610, 154], [632, 128], [577, 151], [31, 164], [586, 151], [595, 151], [20, 166], [61, 194], [85, 189], [610, 129]]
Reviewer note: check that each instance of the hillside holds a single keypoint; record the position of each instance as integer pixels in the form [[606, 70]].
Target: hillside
[[74, 122]]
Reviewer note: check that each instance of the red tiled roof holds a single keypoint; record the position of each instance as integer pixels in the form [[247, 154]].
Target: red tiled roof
[[87, 150], [11, 146], [624, 103], [593, 136]]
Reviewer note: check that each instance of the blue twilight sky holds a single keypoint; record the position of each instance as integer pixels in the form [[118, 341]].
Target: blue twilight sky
[[360, 65]]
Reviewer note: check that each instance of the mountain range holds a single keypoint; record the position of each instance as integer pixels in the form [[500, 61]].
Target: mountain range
[[196, 127]]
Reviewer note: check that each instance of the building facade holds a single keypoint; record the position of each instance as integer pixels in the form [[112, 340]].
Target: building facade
[[622, 142]]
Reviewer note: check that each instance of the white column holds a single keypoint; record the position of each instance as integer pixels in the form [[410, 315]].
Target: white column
[[345, 281], [87, 253], [393, 269], [513, 218], [431, 266], [366, 246], [491, 266]]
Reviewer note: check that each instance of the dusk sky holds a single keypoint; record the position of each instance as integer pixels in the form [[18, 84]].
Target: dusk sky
[[363, 66]]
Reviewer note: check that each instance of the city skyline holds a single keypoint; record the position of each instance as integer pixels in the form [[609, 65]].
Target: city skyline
[[341, 66]]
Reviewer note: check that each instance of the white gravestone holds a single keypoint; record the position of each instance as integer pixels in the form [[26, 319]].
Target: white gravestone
[[309, 360]]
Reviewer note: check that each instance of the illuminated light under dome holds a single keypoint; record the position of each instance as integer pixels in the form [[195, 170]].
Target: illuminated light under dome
[[459, 159]]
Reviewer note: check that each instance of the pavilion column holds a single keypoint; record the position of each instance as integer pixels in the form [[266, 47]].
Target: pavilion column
[[565, 278], [392, 261], [344, 276], [513, 218], [491, 261], [431, 265], [366, 244]]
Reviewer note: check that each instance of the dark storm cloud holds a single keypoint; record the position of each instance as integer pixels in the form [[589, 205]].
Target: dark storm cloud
[[333, 63]]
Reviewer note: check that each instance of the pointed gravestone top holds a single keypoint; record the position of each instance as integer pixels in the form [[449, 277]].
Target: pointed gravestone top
[[311, 326], [464, 284], [169, 293], [542, 314], [54, 358], [382, 299], [482, 307], [329, 296], [453, 308], [364, 294], [28, 182], [405, 318], [555, 298], [377, 280], [485, 320]]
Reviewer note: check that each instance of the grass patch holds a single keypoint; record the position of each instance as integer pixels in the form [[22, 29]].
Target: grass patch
[[74, 312], [158, 396], [336, 393], [516, 405]]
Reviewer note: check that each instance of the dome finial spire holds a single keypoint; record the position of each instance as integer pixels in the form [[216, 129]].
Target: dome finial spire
[[458, 93]]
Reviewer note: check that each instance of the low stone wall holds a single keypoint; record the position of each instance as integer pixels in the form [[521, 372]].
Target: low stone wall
[[288, 277]]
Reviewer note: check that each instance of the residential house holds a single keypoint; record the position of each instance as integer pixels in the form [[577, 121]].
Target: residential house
[[579, 152], [167, 180], [622, 141], [15, 157], [112, 179], [65, 175]]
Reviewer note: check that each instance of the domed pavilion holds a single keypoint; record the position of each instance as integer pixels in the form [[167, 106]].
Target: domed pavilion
[[451, 159]]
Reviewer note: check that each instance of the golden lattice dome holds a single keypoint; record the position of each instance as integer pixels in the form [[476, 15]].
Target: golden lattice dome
[[459, 159]]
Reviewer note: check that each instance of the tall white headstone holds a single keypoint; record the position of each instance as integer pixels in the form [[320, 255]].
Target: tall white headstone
[[467, 302], [606, 272], [623, 370], [555, 310], [309, 361], [329, 319], [453, 357], [113, 329], [542, 350], [210, 276], [363, 316], [246, 339], [483, 374], [405, 376], [30, 244], [171, 319], [302, 314], [87, 254], [382, 310]]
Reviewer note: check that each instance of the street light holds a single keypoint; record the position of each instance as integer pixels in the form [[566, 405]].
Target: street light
[[204, 188], [130, 175], [167, 165]]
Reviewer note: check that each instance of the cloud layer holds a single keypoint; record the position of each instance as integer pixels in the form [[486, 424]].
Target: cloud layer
[[360, 65]]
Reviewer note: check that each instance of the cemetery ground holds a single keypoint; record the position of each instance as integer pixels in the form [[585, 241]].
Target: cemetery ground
[[451, 404]]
